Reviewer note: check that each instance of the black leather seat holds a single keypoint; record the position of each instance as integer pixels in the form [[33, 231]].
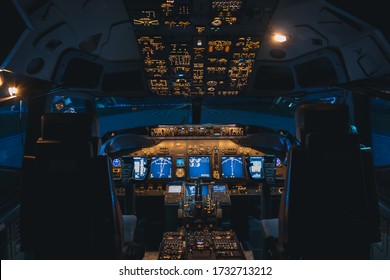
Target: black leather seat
[[329, 208], [69, 208]]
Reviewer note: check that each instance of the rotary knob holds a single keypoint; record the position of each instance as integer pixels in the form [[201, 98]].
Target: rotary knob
[[180, 172]]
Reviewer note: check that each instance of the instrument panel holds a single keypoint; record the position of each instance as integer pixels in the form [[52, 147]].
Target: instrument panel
[[195, 159], [197, 177]]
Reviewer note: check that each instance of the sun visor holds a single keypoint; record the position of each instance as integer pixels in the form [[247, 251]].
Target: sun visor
[[84, 71], [310, 73]]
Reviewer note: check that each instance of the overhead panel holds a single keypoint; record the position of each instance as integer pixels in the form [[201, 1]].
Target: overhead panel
[[195, 48]]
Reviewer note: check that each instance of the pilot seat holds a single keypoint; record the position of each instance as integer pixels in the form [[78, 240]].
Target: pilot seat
[[69, 208], [329, 208]]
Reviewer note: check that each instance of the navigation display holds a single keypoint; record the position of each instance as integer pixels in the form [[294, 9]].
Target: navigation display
[[232, 167], [161, 167], [256, 167], [139, 167], [199, 167]]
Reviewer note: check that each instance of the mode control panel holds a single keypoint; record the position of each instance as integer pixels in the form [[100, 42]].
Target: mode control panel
[[196, 130]]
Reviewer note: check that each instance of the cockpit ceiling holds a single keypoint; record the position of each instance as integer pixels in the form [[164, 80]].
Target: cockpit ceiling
[[194, 48]]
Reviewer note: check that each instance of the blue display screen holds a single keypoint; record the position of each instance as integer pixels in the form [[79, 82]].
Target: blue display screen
[[232, 167], [161, 167], [199, 167], [219, 188], [190, 189], [116, 162], [256, 167], [205, 189], [139, 167], [180, 162]]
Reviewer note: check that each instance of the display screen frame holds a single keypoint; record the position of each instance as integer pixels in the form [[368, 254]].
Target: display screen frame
[[204, 187], [153, 166], [188, 187], [180, 162], [242, 169], [135, 160], [191, 168], [116, 162], [261, 172]]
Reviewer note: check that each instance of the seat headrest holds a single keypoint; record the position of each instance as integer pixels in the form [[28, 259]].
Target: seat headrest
[[321, 118], [67, 127]]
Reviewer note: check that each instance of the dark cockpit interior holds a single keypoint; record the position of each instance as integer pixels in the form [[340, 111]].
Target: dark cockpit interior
[[194, 129]]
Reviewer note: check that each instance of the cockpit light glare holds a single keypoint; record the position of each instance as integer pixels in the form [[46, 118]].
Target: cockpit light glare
[[280, 38], [12, 91]]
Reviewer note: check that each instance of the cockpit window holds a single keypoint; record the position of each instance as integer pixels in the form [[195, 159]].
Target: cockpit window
[[119, 113], [380, 123], [12, 128]]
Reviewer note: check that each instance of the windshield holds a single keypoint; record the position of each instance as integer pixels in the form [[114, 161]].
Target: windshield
[[117, 114]]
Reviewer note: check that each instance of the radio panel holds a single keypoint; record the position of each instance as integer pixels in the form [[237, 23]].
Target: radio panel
[[200, 245]]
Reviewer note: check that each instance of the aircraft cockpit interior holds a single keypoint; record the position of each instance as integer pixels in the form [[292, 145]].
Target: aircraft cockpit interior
[[194, 130], [198, 176]]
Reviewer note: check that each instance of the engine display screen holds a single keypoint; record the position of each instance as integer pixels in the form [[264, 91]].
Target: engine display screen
[[161, 167], [232, 167], [139, 167], [256, 167], [199, 167]]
